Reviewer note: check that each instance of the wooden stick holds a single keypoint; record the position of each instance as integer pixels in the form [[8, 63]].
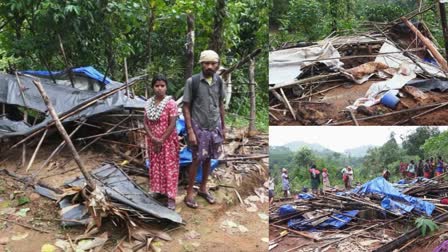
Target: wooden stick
[[301, 81], [288, 105], [108, 133], [252, 95], [56, 151], [126, 76], [390, 114], [26, 226], [64, 134], [36, 150], [273, 116], [244, 158], [438, 57], [323, 91], [297, 232], [354, 118]]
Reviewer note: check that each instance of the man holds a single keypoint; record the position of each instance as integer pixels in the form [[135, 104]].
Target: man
[[386, 174], [204, 118], [349, 177]]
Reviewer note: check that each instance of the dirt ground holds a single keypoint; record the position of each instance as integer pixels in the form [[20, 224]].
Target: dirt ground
[[329, 108], [205, 228]]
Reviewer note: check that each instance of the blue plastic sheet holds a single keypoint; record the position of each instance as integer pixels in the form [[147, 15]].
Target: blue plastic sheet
[[186, 157], [339, 221], [342, 220], [87, 71], [383, 187], [180, 126], [286, 209], [305, 196]]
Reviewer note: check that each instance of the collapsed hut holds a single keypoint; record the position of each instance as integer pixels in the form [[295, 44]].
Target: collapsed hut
[[376, 216], [388, 74]]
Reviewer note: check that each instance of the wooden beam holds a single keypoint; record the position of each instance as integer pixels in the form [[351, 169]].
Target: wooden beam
[[64, 134], [438, 57]]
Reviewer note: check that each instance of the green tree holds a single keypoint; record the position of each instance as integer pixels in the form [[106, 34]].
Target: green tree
[[412, 143]]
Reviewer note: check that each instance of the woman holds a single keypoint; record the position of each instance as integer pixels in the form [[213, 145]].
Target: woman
[[325, 179], [439, 168], [163, 145], [411, 170], [315, 178], [349, 177], [285, 182]]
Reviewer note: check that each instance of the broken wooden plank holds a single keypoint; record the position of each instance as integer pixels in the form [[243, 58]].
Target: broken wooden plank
[[288, 105], [438, 57], [301, 81], [64, 134]]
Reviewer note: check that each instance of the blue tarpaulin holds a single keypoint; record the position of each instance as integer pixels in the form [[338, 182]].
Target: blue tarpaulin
[[87, 71], [339, 221], [395, 200], [305, 196], [286, 209], [185, 159]]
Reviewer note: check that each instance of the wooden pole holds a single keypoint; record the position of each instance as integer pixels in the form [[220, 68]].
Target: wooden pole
[[56, 151], [444, 26], [439, 58], [126, 76], [64, 134], [36, 150], [252, 96], [288, 105], [190, 46]]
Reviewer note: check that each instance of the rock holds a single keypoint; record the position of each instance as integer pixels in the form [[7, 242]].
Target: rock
[[242, 229], [4, 240], [192, 235], [19, 236], [48, 248], [253, 198], [34, 196], [253, 208], [263, 216]]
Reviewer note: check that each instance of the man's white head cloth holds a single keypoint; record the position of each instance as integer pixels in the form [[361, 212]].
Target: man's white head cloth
[[209, 56]]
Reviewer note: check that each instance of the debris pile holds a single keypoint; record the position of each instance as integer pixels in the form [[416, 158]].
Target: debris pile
[[376, 216], [391, 74]]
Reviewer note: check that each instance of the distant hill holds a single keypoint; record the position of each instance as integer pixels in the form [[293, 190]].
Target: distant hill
[[296, 145], [360, 151]]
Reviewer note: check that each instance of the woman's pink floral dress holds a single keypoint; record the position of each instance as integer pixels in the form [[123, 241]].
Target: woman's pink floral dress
[[164, 166]]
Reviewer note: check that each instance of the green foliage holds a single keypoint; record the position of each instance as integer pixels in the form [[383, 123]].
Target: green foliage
[[426, 224], [437, 145], [151, 35], [413, 142]]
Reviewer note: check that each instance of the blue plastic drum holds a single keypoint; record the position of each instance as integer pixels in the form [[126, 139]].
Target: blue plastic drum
[[390, 100]]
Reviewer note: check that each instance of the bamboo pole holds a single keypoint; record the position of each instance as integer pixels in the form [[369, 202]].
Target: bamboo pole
[[438, 57], [64, 134]]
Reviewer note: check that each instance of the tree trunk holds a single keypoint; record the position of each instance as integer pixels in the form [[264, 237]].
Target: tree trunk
[[444, 27], [216, 39], [252, 95], [190, 46]]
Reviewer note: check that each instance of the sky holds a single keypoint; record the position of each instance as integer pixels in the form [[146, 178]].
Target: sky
[[338, 138]]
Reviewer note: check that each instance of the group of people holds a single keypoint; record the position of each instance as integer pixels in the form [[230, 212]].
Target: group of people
[[203, 111], [428, 168], [316, 177]]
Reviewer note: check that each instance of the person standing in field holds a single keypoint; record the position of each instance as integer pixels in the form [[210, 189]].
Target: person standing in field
[[203, 109]]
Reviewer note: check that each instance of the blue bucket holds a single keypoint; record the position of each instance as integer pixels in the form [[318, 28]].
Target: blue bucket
[[390, 100]]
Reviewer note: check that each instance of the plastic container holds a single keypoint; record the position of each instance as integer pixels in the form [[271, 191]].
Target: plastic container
[[390, 100]]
